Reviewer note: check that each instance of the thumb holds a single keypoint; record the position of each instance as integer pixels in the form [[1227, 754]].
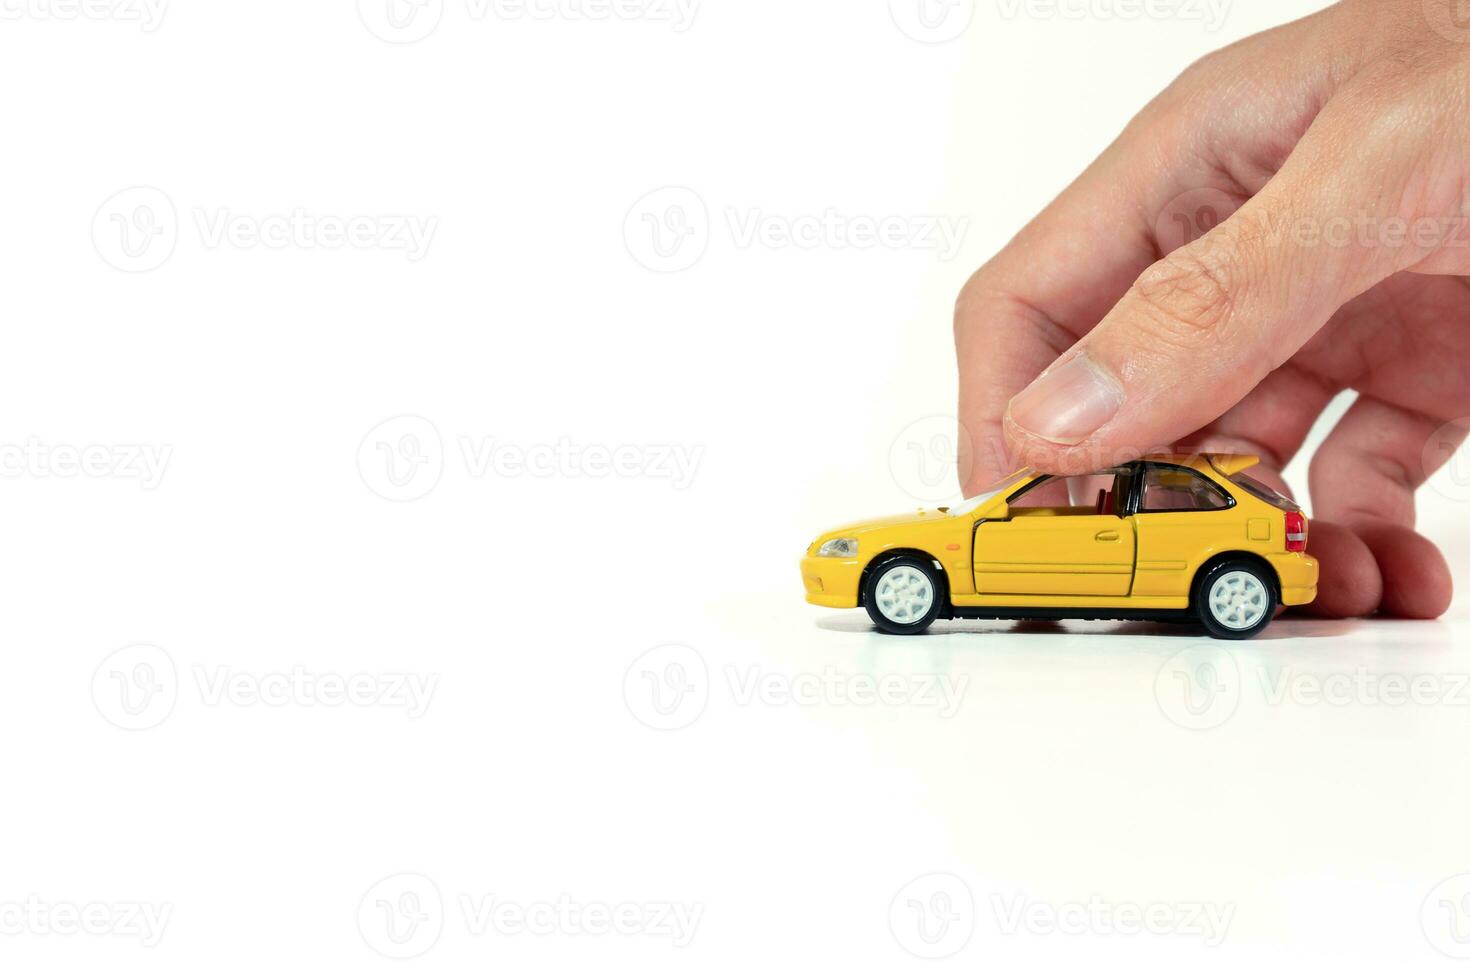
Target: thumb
[[1201, 328]]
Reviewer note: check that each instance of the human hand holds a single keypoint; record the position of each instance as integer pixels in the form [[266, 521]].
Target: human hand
[[1322, 174]]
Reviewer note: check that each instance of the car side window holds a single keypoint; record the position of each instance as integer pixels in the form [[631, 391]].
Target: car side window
[[1169, 489], [1100, 494]]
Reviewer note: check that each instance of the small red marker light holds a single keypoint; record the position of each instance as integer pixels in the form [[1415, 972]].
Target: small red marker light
[[1296, 531]]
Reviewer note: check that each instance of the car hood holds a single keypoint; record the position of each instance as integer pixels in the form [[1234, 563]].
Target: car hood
[[860, 528]]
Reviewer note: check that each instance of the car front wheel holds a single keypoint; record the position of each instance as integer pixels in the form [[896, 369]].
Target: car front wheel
[[1236, 600], [903, 595]]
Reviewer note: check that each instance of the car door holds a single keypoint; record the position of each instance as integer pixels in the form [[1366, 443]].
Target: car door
[[1182, 516], [1054, 543]]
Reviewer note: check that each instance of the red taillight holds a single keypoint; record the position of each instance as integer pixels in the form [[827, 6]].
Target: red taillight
[[1296, 531]]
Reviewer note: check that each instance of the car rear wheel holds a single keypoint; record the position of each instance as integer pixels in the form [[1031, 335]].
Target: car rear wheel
[[1236, 600], [903, 595]]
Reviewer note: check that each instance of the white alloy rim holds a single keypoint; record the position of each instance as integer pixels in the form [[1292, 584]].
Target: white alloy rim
[[904, 595], [1238, 600]]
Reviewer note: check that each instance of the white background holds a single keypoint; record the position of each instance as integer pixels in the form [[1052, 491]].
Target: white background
[[302, 391]]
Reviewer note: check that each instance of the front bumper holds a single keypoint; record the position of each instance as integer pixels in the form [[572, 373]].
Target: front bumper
[[832, 582], [1298, 577]]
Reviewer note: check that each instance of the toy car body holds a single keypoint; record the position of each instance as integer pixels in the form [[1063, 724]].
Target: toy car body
[[1165, 538]]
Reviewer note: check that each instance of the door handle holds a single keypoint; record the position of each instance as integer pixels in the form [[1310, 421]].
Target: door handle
[[1107, 536]]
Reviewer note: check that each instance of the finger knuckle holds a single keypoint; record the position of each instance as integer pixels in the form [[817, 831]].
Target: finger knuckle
[[1187, 298]]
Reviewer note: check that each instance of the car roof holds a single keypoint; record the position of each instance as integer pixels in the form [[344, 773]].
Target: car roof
[[1227, 463]]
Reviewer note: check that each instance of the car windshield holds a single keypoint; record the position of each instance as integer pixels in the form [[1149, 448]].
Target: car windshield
[[989, 494], [1260, 491]]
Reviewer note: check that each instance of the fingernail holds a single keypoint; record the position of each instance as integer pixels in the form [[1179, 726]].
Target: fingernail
[[1069, 402]]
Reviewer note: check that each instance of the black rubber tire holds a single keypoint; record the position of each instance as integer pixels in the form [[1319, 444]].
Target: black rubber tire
[[1219, 570], [925, 567]]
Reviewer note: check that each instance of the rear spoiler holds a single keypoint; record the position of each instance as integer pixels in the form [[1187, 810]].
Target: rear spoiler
[[1230, 464]]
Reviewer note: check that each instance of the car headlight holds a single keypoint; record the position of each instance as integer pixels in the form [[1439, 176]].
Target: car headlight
[[838, 548]]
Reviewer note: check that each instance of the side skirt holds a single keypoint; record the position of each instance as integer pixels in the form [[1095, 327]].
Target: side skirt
[[1087, 615]]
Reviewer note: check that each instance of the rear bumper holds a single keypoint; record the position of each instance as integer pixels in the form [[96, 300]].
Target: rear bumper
[[831, 582], [1298, 577]]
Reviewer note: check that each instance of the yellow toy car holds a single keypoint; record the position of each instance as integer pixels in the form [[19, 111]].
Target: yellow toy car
[[1165, 538]]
